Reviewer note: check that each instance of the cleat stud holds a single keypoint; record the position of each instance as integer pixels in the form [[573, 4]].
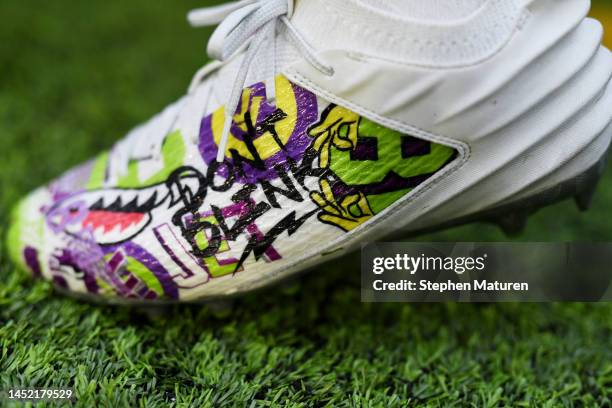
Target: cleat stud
[[513, 224], [584, 199]]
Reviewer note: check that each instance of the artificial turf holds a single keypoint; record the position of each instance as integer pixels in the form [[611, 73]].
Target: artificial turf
[[75, 76]]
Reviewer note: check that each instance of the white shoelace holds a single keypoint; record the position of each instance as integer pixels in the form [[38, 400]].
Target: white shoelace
[[250, 25], [247, 25]]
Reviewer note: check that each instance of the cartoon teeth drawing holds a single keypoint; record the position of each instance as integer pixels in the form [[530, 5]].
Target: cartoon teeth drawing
[[111, 216], [115, 215]]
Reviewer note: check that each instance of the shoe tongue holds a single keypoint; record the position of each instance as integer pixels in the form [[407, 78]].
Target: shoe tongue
[[259, 71], [436, 10]]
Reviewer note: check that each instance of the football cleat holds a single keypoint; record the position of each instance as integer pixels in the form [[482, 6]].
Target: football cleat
[[323, 124]]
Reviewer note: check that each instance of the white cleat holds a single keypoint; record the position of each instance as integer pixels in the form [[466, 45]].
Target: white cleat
[[323, 124]]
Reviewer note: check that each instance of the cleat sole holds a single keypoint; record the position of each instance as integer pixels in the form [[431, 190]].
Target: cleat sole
[[512, 217]]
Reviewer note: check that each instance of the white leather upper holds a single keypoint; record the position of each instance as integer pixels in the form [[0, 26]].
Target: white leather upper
[[356, 27], [500, 113]]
